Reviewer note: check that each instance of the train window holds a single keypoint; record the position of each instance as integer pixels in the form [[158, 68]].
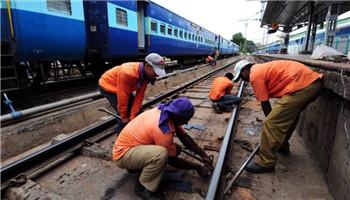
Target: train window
[[185, 35], [170, 30], [193, 37], [162, 28], [181, 34], [122, 17], [154, 26], [61, 6], [175, 32]]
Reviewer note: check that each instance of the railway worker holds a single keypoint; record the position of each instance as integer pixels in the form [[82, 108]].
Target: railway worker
[[220, 94], [119, 83], [146, 144], [296, 85], [211, 60]]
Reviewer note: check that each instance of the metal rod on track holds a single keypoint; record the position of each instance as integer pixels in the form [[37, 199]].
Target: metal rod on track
[[38, 109], [109, 112], [241, 169], [214, 181]]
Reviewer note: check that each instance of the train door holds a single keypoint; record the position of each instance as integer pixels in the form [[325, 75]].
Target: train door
[[96, 26], [141, 24]]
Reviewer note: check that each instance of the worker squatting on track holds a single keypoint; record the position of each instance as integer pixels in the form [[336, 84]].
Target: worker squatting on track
[[220, 94], [146, 144], [296, 85], [119, 83], [210, 60]]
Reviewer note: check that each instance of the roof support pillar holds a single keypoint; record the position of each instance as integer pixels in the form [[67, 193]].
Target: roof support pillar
[[306, 44], [313, 32], [331, 24], [284, 49]]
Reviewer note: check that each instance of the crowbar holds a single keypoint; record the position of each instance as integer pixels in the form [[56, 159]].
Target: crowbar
[[109, 112]]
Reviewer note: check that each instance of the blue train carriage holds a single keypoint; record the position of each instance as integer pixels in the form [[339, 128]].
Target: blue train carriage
[[271, 48], [235, 48], [38, 31], [227, 48], [341, 42], [112, 30], [176, 37]]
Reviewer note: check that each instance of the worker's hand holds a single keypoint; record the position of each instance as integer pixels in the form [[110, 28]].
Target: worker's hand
[[203, 172], [178, 149], [125, 121], [207, 161], [237, 100]]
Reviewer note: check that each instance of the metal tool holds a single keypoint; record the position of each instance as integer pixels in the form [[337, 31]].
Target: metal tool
[[192, 155], [197, 157], [109, 112], [241, 169]]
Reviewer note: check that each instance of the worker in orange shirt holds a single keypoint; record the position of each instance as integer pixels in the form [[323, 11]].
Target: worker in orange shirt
[[220, 94], [296, 85], [146, 144], [119, 83], [211, 60]]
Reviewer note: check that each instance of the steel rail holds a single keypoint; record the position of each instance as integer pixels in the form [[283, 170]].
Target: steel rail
[[42, 108], [214, 181], [27, 164]]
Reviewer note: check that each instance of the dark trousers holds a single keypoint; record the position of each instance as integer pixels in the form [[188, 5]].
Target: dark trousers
[[212, 62], [227, 101], [113, 100]]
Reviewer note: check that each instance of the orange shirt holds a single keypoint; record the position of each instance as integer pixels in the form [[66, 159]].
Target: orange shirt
[[123, 80], [220, 87], [279, 78], [144, 130]]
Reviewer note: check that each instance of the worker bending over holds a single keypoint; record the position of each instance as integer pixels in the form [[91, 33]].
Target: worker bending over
[[296, 85], [220, 94], [146, 143], [211, 60], [119, 83]]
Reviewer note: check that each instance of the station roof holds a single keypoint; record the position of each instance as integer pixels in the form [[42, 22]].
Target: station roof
[[290, 14]]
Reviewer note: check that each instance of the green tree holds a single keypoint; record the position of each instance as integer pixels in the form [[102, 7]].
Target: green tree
[[245, 46], [239, 39]]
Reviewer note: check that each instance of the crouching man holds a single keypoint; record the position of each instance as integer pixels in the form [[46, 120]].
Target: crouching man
[[220, 94], [146, 144]]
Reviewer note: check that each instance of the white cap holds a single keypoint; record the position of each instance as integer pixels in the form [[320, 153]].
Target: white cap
[[238, 68], [157, 62]]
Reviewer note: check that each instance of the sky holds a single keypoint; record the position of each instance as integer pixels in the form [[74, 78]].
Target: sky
[[224, 17]]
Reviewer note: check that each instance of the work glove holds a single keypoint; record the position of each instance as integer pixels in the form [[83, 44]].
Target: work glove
[[203, 172], [207, 161]]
